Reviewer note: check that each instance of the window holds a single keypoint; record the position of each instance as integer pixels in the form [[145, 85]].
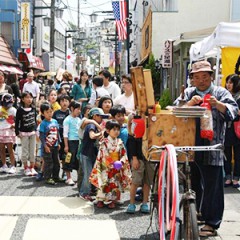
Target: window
[[168, 5], [235, 16]]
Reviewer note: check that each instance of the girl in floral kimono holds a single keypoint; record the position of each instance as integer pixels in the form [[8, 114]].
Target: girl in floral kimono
[[111, 173]]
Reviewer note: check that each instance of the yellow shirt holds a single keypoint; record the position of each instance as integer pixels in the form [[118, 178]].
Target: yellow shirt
[[56, 106]]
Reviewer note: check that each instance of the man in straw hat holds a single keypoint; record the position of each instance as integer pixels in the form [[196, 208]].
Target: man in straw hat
[[207, 169]]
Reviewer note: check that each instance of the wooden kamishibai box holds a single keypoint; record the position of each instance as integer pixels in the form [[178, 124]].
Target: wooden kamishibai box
[[163, 128]]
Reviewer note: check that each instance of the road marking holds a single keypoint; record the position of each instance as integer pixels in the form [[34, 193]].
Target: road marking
[[7, 224], [39, 229], [45, 205]]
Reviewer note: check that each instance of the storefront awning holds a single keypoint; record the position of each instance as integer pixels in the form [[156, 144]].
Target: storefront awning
[[33, 62], [6, 55], [46, 74], [11, 69]]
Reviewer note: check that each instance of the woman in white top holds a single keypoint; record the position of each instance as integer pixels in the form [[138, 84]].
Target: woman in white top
[[126, 99]]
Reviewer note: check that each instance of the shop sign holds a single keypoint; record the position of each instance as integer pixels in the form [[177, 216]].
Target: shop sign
[[167, 54], [25, 25]]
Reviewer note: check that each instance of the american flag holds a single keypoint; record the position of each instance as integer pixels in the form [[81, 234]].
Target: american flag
[[120, 14]]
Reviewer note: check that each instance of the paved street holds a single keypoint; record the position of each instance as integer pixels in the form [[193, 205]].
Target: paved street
[[31, 210]]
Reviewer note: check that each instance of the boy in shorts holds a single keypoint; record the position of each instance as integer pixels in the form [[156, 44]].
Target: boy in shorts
[[142, 174]]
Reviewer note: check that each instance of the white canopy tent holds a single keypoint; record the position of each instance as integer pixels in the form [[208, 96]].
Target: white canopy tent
[[225, 35]]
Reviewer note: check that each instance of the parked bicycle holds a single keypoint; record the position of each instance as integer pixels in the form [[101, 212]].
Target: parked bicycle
[[175, 211]]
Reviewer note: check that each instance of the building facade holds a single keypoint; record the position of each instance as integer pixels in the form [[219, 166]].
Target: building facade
[[169, 19]]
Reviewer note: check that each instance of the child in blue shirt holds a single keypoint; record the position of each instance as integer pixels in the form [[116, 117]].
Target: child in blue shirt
[[49, 136], [89, 151], [71, 140], [118, 113]]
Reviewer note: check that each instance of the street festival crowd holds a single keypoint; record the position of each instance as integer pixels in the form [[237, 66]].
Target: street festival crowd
[[85, 125]]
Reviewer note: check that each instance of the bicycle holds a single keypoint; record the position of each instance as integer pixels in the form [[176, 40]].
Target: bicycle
[[186, 214]]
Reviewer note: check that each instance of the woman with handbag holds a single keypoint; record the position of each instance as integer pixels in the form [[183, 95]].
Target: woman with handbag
[[232, 142]]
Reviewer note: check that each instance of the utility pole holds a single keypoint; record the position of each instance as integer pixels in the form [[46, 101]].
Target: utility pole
[[79, 15], [52, 31], [128, 37], [78, 51]]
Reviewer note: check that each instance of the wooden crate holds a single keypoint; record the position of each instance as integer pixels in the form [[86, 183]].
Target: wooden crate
[[142, 89], [165, 128]]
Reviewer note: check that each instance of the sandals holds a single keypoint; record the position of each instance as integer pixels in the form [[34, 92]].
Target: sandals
[[207, 231], [228, 183]]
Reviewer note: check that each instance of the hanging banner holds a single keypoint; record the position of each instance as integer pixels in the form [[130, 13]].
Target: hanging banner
[[167, 54], [25, 25], [230, 62]]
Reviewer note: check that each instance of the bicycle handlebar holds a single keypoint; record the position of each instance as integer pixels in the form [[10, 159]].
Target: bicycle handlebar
[[185, 149], [216, 147]]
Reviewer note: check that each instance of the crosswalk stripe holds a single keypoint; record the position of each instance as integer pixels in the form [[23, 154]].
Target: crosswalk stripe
[[39, 229], [7, 224], [45, 205]]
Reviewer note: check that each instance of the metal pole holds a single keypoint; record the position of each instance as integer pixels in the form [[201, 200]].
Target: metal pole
[[52, 31], [33, 28], [78, 53], [128, 36], [116, 53], [65, 50]]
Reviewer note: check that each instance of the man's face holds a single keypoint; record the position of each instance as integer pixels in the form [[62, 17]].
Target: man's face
[[202, 80], [30, 78], [105, 80]]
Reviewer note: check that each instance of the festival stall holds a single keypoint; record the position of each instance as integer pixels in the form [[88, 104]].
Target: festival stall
[[160, 128], [224, 39]]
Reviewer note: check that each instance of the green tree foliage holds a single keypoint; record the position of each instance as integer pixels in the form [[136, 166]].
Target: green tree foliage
[[165, 99], [155, 75]]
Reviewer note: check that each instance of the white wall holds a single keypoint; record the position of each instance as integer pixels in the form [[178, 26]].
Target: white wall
[[191, 15]]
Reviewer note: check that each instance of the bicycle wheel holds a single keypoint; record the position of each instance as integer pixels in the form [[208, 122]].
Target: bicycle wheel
[[190, 220], [154, 200]]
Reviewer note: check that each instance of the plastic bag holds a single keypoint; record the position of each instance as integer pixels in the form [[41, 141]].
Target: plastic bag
[[206, 121]]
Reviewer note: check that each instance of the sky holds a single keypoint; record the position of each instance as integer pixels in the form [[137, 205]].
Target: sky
[[87, 7]]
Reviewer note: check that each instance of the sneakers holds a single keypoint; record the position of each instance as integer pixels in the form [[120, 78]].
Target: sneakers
[[59, 180], [70, 182], [144, 208], [50, 181], [27, 172], [12, 170], [33, 172], [131, 208], [39, 176], [4, 169]]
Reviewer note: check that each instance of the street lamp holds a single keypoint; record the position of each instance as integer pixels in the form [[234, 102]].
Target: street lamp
[[47, 21], [77, 41], [66, 37]]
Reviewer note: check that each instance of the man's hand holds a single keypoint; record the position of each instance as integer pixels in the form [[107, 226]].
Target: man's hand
[[213, 101], [195, 100]]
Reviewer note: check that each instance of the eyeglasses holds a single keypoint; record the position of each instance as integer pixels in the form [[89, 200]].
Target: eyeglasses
[[125, 82]]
